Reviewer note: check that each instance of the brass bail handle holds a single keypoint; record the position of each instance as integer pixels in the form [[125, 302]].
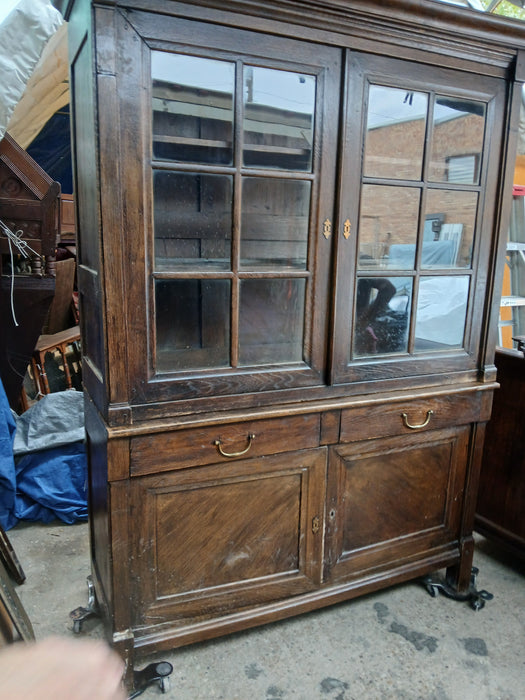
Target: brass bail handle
[[421, 425], [218, 444]]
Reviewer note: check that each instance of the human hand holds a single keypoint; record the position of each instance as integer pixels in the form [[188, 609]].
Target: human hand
[[61, 669]]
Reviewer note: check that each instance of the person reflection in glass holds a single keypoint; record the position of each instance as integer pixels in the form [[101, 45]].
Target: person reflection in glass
[[373, 296]]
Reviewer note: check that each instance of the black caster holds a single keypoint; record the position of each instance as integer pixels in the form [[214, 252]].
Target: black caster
[[153, 673], [475, 598]]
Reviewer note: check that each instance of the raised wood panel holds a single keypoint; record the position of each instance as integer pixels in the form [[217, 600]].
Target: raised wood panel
[[220, 537], [393, 498]]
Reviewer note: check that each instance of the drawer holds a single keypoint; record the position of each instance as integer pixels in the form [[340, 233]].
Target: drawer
[[191, 447], [414, 415]]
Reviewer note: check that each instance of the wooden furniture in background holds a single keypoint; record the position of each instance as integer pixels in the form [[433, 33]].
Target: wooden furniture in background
[[68, 233], [288, 357], [501, 500], [14, 623], [30, 207], [62, 343]]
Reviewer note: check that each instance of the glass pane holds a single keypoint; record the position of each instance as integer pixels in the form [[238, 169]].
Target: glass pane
[[388, 227], [395, 135], [193, 324], [271, 321], [382, 315], [274, 228], [457, 140], [449, 229], [192, 108], [278, 119], [192, 220], [441, 312]]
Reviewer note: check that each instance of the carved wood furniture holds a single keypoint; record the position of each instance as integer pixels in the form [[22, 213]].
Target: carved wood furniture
[[62, 343], [501, 499], [30, 207], [289, 218]]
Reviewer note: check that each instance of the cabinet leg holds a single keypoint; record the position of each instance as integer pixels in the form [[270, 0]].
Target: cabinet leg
[[476, 599], [156, 673], [459, 576], [81, 614], [136, 681]]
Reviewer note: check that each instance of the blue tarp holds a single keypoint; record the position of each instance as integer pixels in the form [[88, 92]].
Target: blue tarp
[[7, 463], [43, 470]]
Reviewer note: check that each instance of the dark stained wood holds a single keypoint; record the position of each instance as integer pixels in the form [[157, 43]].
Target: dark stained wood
[[189, 448], [222, 537], [30, 208], [33, 297], [335, 495], [381, 420], [501, 500], [388, 498]]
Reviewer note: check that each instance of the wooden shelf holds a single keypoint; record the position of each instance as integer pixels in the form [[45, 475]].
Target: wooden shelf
[[211, 143]]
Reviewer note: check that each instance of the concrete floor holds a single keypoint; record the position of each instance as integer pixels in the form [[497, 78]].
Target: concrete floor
[[398, 644]]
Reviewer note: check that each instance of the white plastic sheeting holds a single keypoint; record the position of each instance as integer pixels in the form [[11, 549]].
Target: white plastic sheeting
[[23, 36]]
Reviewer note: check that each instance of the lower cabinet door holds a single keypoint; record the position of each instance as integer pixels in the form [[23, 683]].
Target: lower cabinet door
[[211, 540], [393, 499]]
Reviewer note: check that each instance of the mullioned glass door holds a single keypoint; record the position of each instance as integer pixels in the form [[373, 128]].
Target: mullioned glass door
[[412, 240], [241, 152]]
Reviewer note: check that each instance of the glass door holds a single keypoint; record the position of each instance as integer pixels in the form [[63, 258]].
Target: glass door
[[239, 193], [413, 218]]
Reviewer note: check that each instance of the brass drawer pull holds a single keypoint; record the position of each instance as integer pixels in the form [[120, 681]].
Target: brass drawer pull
[[251, 436], [421, 425]]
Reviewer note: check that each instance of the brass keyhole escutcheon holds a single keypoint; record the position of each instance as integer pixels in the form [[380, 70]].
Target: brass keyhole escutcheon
[[346, 229], [316, 524], [327, 228]]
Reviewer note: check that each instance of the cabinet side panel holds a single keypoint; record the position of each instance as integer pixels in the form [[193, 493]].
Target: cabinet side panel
[[96, 437], [86, 193], [501, 497]]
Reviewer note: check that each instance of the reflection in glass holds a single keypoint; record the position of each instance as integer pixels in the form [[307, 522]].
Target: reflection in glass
[[192, 104], [395, 136], [388, 227], [441, 312], [382, 315], [278, 119], [457, 140], [192, 324], [271, 321], [449, 229], [274, 226], [192, 220]]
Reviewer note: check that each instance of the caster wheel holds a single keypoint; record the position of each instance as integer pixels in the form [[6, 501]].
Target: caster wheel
[[433, 590]]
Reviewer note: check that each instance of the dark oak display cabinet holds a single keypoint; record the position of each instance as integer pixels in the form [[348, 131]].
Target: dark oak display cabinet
[[289, 217]]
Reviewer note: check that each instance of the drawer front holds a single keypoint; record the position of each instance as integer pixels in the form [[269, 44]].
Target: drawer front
[[179, 449], [414, 415]]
